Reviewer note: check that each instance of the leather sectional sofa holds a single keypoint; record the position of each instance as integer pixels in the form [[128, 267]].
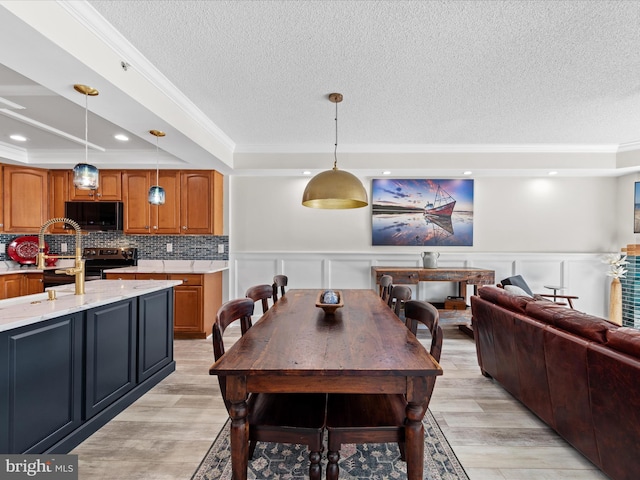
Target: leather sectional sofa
[[579, 373]]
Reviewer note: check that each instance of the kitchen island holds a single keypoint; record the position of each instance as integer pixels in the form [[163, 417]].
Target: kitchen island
[[71, 364]]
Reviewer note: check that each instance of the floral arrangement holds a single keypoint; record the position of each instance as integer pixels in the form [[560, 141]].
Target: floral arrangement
[[616, 262]]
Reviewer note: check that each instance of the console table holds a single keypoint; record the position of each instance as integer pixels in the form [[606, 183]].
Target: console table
[[462, 276]]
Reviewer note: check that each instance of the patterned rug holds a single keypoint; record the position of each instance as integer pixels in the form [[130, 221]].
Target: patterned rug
[[357, 462]]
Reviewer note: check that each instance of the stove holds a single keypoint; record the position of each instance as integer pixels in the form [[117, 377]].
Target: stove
[[96, 260]]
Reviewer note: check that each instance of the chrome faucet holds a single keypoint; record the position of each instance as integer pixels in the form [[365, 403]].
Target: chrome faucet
[[78, 268]]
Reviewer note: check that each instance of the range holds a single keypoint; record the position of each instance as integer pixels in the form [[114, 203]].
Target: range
[[96, 260]]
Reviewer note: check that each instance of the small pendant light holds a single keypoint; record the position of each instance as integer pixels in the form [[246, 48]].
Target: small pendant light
[[85, 176], [156, 192], [335, 189]]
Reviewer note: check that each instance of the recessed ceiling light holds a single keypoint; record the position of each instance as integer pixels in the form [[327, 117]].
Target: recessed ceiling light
[[306, 172], [553, 173], [386, 172], [121, 137], [18, 138], [468, 172]]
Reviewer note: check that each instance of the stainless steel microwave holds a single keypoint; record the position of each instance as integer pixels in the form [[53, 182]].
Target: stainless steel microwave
[[95, 216]]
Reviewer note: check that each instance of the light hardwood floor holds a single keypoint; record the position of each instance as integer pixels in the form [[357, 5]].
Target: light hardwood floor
[[166, 433]]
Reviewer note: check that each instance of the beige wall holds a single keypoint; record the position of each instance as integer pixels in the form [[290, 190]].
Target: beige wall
[[551, 214]]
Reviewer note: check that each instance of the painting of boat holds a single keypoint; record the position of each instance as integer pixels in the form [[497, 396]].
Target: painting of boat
[[422, 212], [442, 205]]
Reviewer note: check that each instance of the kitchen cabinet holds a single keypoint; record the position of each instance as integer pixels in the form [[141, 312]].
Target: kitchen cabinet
[[195, 303], [110, 355], [40, 395], [18, 284], [24, 199], [140, 217], [201, 202], [193, 203], [59, 181], [109, 188]]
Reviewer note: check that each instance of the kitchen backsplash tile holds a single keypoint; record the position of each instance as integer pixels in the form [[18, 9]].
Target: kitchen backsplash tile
[[150, 247]]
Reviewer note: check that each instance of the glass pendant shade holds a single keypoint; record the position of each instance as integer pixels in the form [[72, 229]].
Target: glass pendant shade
[[156, 192], [335, 189], [85, 176], [156, 195]]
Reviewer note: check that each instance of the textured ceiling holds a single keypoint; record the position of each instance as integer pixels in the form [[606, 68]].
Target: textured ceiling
[[412, 72]]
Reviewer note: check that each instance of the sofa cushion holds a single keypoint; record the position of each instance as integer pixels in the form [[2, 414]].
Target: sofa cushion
[[508, 300], [516, 290], [625, 340], [518, 281], [587, 326]]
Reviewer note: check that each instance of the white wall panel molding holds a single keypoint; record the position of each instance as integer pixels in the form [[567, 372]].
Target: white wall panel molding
[[583, 274]]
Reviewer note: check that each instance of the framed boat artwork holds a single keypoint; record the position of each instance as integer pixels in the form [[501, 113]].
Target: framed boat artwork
[[422, 212]]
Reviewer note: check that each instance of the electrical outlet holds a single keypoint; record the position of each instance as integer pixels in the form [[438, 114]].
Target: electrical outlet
[[63, 248], [2, 247], [221, 248], [169, 247]]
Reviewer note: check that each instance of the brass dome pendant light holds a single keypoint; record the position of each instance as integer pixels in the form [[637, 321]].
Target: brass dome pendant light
[[156, 192], [335, 189], [85, 176]]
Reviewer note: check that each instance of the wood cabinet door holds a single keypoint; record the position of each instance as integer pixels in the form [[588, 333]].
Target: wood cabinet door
[[24, 199], [137, 214], [187, 311], [109, 188], [58, 195], [33, 283], [166, 218], [196, 202], [12, 285]]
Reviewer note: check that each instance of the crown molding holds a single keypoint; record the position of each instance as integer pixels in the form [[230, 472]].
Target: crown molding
[[89, 17], [432, 148], [11, 152]]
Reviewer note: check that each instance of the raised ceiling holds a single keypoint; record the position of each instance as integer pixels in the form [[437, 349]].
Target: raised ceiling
[[241, 85]]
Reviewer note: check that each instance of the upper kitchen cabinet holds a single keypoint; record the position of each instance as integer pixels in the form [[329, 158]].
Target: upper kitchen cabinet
[[201, 202], [193, 202], [141, 217], [58, 194], [25, 195], [109, 188]]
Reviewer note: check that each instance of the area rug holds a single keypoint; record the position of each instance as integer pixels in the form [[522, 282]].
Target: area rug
[[379, 461]]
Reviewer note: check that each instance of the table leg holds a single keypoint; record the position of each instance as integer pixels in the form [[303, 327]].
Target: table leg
[[239, 440], [414, 441]]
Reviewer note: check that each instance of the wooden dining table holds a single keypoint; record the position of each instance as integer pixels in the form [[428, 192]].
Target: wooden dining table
[[295, 347]]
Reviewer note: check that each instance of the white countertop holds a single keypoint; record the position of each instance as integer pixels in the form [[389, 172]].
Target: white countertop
[[8, 267], [174, 266], [29, 309]]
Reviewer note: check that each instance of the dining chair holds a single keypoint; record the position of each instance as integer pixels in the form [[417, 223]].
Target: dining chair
[[292, 418], [397, 298], [279, 282], [386, 283], [377, 418], [262, 294]]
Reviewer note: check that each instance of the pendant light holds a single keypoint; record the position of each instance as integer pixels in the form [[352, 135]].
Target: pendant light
[[85, 176], [156, 192], [335, 189]]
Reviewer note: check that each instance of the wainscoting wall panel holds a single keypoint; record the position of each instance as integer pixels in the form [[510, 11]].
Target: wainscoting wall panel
[[583, 274]]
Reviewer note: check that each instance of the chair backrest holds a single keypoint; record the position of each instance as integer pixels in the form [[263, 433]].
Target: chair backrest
[[386, 284], [261, 293], [398, 296], [419, 311], [241, 310], [279, 282]]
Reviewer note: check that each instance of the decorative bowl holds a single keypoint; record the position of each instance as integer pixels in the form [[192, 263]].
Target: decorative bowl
[[329, 308]]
